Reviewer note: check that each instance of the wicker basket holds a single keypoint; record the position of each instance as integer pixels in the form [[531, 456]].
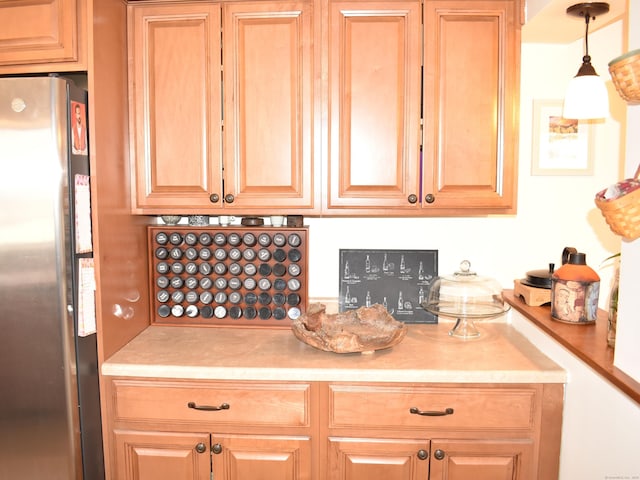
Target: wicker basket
[[625, 74], [622, 213]]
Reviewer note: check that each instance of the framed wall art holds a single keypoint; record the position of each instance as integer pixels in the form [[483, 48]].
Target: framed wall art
[[398, 280], [561, 146]]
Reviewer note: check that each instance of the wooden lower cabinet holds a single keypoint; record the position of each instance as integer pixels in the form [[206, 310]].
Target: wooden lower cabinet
[[481, 459], [264, 430], [195, 456], [261, 457], [378, 459], [442, 431], [407, 459], [161, 455], [190, 430]]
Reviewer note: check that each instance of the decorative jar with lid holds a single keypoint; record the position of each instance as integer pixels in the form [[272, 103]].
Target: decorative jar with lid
[[575, 288]]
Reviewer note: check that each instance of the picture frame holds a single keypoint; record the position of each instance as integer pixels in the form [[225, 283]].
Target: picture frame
[[399, 280], [560, 146]]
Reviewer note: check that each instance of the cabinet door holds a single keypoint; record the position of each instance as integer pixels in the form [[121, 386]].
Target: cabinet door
[[470, 105], [374, 105], [162, 456], [481, 460], [378, 459], [268, 105], [261, 457], [39, 31], [175, 88]]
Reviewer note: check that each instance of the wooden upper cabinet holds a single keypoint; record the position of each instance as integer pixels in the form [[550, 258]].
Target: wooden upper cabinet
[[374, 105], [471, 105], [199, 66], [42, 35], [268, 105], [175, 104], [413, 105]]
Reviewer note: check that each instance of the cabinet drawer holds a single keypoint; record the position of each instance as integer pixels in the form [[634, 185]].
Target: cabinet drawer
[[254, 404], [472, 407]]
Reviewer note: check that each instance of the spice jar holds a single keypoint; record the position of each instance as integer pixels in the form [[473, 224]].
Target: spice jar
[[575, 288]]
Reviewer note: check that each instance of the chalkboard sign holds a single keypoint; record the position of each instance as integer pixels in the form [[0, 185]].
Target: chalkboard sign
[[396, 279]]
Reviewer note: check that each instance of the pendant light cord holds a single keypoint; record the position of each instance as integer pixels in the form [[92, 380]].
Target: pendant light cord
[[587, 18]]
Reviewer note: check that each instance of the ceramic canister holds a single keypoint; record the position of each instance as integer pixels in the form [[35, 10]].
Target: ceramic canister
[[575, 288]]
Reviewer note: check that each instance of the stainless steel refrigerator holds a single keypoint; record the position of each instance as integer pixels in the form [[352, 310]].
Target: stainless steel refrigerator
[[49, 397]]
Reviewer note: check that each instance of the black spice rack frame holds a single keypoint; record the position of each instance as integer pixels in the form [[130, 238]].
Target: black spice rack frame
[[228, 276], [397, 279]]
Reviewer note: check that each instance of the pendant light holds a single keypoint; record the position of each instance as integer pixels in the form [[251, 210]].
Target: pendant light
[[586, 96]]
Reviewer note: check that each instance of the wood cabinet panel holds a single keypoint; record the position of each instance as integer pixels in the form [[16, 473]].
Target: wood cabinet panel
[[332, 431], [161, 456], [471, 99], [481, 460], [175, 87], [261, 457], [253, 404], [374, 106], [378, 459], [268, 104], [41, 31], [263, 158], [471, 408]]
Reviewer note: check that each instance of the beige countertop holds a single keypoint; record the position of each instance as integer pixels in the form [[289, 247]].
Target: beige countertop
[[427, 354]]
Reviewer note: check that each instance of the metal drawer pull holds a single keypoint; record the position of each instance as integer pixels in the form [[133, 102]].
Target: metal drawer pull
[[210, 408], [427, 413]]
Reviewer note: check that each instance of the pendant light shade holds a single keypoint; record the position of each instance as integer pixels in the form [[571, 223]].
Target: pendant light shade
[[586, 96]]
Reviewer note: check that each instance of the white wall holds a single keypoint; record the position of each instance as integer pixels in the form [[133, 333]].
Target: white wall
[[601, 425]]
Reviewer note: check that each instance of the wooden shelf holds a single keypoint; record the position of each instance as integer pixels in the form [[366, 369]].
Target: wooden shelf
[[587, 342]]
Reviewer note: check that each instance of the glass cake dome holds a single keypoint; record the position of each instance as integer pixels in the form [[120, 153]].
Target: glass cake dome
[[465, 297]]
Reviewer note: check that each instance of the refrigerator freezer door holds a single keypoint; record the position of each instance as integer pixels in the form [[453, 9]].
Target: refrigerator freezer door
[[39, 426]]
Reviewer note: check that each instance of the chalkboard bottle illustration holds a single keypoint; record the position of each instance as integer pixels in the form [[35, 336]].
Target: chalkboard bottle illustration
[[385, 264], [347, 295], [421, 295], [346, 270], [367, 264], [420, 272], [368, 299], [400, 301], [384, 303], [403, 268]]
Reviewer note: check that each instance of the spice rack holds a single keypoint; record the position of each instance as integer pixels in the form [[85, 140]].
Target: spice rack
[[227, 276]]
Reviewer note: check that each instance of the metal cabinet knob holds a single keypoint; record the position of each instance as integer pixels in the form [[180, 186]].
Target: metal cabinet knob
[[412, 198], [217, 448], [201, 448], [429, 198], [439, 454], [229, 198], [423, 454], [214, 198]]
